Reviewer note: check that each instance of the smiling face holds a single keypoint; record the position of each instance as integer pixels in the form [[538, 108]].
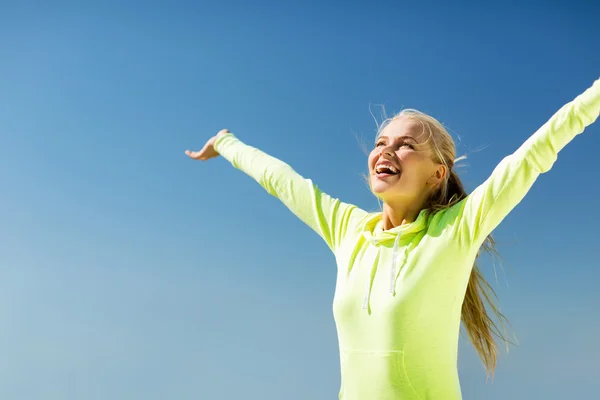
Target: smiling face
[[401, 165]]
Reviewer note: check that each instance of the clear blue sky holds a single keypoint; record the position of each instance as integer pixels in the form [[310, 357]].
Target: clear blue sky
[[128, 271]]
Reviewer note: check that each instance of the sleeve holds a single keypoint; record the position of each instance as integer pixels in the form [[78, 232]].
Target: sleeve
[[328, 217], [484, 209]]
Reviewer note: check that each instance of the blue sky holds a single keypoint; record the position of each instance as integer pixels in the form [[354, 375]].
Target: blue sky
[[131, 272]]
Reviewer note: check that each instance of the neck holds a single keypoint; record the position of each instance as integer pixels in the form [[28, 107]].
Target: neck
[[396, 214]]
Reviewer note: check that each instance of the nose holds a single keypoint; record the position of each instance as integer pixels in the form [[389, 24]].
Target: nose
[[387, 151]]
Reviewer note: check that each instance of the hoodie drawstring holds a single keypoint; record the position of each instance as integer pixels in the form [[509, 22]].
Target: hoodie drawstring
[[366, 301], [393, 266], [393, 274], [405, 253], [397, 264]]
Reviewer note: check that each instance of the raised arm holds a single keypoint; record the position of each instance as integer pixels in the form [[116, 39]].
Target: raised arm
[[487, 206], [327, 216]]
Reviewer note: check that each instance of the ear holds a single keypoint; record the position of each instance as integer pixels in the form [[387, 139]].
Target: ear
[[438, 175]]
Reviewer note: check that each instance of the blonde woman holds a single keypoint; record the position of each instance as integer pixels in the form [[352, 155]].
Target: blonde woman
[[407, 275]]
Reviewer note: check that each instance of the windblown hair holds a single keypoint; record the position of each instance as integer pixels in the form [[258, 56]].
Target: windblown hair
[[479, 296]]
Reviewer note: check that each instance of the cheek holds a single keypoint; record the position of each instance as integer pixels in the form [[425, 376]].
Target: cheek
[[415, 167], [371, 161]]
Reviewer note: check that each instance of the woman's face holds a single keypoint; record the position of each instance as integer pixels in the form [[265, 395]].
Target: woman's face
[[401, 165]]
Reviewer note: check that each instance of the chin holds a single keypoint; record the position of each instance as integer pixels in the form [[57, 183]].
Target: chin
[[379, 187]]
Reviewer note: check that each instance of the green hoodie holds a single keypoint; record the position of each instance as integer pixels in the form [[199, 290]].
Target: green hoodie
[[399, 293]]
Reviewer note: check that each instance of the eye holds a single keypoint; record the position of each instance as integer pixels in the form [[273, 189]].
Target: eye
[[410, 146], [380, 143]]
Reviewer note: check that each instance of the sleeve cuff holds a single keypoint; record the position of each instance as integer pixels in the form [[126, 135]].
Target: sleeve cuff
[[224, 140]]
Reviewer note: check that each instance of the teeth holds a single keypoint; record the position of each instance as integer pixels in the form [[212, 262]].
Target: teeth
[[381, 168]]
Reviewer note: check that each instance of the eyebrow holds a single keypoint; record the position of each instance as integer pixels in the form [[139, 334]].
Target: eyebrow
[[401, 137]]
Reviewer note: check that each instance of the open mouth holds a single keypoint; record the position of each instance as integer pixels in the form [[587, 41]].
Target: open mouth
[[383, 171]]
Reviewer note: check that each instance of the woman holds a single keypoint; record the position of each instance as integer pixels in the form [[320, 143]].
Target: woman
[[406, 275]]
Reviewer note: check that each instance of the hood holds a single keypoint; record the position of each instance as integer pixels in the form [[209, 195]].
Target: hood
[[372, 229]]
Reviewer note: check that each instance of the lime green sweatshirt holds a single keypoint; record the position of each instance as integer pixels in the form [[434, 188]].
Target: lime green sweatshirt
[[399, 293]]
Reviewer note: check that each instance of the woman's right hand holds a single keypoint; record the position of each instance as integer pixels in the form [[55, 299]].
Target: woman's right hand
[[208, 151]]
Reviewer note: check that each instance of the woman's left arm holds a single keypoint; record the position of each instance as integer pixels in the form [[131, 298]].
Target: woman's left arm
[[483, 210]]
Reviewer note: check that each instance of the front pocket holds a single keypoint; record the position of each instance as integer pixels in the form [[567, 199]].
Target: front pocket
[[375, 375]]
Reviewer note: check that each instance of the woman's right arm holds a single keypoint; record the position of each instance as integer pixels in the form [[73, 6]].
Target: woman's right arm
[[327, 216]]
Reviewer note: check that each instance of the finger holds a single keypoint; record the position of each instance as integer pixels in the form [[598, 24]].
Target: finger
[[193, 154]]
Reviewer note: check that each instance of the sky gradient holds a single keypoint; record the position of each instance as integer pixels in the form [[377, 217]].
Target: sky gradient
[[128, 271]]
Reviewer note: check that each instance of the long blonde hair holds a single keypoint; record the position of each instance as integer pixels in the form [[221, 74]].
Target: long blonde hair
[[480, 327]]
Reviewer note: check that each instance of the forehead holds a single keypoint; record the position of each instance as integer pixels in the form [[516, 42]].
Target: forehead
[[403, 126]]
